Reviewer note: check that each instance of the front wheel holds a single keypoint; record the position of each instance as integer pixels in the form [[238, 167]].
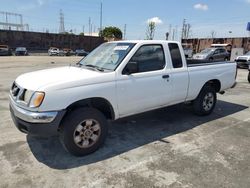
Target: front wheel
[[205, 102], [83, 131], [248, 77]]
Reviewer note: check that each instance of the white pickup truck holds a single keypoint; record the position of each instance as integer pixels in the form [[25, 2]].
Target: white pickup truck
[[116, 80]]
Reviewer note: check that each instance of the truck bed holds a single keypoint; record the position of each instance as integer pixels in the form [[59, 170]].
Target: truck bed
[[196, 62], [201, 71]]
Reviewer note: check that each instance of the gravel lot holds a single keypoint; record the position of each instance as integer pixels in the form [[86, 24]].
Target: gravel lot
[[169, 147]]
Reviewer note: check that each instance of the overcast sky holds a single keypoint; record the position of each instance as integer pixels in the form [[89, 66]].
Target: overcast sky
[[225, 17]]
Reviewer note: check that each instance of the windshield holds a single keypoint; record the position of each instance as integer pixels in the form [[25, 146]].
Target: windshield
[[207, 51], [107, 56], [248, 53], [21, 49]]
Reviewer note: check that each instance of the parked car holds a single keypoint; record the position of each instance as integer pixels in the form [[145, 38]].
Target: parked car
[[5, 50], [53, 51], [21, 51], [61, 52], [188, 52], [68, 52], [81, 52], [116, 80], [213, 54], [243, 61]]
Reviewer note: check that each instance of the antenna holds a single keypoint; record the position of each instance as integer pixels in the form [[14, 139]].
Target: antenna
[[61, 28]]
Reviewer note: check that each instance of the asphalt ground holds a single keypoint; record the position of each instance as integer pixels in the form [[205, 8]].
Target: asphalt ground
[[169, 147]]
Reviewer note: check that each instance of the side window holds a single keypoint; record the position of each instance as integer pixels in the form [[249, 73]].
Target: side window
[[222, 50], [149, 58], [175, 55]]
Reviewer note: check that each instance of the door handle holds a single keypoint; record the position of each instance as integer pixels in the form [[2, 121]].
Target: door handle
[[165, 76]]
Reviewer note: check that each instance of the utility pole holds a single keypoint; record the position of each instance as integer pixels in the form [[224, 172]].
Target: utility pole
[[124, 32], [183, 28], [83, 28], [89, 25], [61, 28], [100, 19], [170, 31], [176, 32], [173, 34]]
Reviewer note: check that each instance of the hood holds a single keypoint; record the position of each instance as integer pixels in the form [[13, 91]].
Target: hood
[[245, 57], [59, 78]]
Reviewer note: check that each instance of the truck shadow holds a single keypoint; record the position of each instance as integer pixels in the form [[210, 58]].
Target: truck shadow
[[129, 133]]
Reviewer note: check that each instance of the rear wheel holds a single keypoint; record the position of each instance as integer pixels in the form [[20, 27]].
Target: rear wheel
[[205, 102], [211, 59], [83, 131]]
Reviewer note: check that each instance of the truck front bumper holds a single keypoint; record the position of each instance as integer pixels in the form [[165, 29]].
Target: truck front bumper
[[36, 123]]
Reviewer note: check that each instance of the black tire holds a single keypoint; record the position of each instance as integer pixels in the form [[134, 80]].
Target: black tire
[[72, 121], [211, 59], [199, 107], [248, 77]]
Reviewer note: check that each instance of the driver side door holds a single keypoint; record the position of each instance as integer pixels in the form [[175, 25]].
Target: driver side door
[[147, 88]]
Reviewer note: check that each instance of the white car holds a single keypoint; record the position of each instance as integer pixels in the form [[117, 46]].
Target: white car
[[116, 80], [53, 51], [243, 61]]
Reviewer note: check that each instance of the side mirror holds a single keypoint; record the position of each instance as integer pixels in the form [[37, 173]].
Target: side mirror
[[131, 67]]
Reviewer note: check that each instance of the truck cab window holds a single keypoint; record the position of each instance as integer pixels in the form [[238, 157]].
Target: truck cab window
[[175, 55], [149, 58]]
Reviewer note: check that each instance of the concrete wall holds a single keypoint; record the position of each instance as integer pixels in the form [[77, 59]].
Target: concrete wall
[[42, 41], [199, 44]]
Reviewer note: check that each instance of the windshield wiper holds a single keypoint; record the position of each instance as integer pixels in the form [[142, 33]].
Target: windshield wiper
[[95, 67]]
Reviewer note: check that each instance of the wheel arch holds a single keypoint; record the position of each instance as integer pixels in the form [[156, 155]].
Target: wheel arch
[[99, 103], [215, 83]]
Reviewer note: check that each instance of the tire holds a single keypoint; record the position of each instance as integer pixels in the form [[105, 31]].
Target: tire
[[226, 59], [211, 59], [83, 131], [248, 77], [205, 102]]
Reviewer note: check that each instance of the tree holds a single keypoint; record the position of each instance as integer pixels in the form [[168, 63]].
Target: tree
[[150, 31], [111, 32]]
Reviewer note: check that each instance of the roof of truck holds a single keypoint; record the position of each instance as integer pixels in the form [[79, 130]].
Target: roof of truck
[[144, 41]]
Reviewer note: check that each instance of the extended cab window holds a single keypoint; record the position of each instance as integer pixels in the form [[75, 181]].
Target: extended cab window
[[175, 55], [149, 58]]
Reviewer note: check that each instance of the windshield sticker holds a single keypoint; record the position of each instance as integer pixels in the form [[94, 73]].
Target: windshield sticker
[[121, 48]]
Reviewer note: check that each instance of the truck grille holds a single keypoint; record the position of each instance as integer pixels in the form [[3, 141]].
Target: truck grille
[[17, 92]]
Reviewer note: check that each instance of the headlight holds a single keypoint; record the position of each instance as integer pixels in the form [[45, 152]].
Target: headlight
[[36, 99], [27, 96]]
